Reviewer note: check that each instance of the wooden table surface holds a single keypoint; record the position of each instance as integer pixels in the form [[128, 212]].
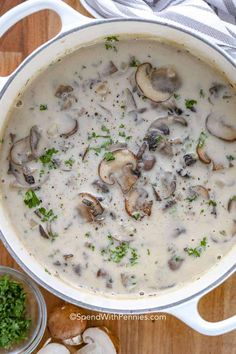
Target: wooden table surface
[[168, 336]]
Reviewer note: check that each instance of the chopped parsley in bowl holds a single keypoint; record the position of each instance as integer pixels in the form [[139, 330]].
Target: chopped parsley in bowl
[[23, 313]]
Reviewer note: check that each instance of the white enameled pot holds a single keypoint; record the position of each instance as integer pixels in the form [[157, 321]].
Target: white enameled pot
[[76, 31]]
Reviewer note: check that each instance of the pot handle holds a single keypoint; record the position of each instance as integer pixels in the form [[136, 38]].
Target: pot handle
[[69, 17], [189, 314]]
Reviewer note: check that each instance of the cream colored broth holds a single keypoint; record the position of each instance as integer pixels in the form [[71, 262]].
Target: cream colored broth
[[115, 253]]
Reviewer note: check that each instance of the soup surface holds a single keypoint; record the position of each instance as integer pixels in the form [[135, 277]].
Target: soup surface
[[118, 167]]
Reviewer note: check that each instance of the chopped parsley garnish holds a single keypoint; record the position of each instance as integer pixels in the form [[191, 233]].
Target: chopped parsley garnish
[[212, 202], [31, 199], [189, 104], [47, 215], [134, 257], [95, 136], [99, 148], [69, 162], [201, 140], [123, 135], [122, 126], [136, 215], [109, 156], [176, 96], [47, 158], [90, 246], [192, 198], [105, 129], [202, 93], [230, 157], [117, 253], [109, 42], [196, 252], [134, 63], [14, 324], [43, 107], [159, 139]]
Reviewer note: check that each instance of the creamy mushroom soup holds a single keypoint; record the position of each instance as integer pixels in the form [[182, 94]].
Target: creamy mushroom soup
[[118, 167]]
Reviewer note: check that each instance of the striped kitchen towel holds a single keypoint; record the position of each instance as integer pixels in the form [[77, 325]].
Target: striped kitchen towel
[[214, 19]]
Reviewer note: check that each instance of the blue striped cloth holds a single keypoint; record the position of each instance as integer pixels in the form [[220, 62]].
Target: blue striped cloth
[[214, 19]]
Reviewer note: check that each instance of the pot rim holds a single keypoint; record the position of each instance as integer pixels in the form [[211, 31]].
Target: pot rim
[[35, 277]]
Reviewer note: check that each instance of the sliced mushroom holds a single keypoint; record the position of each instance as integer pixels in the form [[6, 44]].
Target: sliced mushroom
[[42, 231], [63, 328], [156, 194], [148, 162], [123, 169], [29, 178], [21, 152], [189, 159], [99, 340], [102, 89], [217, 91], [202, 155], [130, 101], [218, 127], [217, 166], [221, 237], [21, 177], [167, 186], [110, 69], [89, 207], [141, 150], [63, 91], [175, 263], [101, 186], [168, 181], [34, 139], [54, 348], [232, 204], [157, 141], [136, 202], [129, 281], [72, 131], [156, 84], [162, 124], [199, 190], [169, 204], [117, 146]]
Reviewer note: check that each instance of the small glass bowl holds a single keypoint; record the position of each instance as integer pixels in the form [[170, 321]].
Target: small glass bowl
[[36, 311]]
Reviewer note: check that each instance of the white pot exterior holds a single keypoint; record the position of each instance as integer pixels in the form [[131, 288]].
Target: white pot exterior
[[182, 302]]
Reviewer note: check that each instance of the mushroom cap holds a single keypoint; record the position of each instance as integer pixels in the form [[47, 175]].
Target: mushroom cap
[[60, 324], [156, 84], [120, 170], [54, 348]]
